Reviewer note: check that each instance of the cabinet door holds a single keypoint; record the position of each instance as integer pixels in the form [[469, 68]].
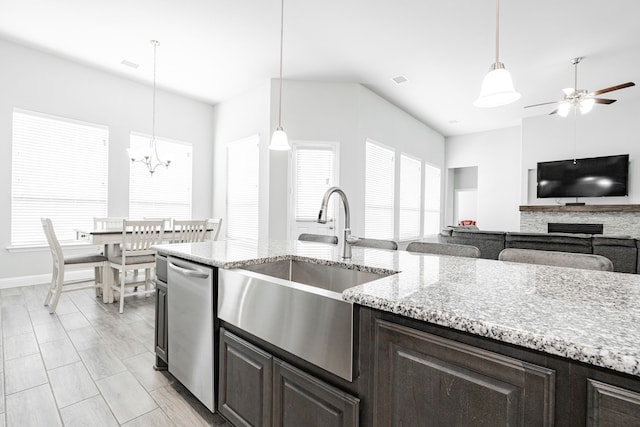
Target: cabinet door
[[302, 400], [161, 336], [245, 382], [611, 406], [425, 380]]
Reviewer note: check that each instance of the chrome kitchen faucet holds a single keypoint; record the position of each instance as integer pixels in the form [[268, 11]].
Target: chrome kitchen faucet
[[322, 219]]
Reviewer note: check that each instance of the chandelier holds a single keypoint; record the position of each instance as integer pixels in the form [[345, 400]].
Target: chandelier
[[149, 156]]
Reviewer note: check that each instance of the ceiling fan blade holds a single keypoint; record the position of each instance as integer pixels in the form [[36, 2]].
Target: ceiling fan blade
[[553, 112], [544, 103], [604, 101], [612, 88]]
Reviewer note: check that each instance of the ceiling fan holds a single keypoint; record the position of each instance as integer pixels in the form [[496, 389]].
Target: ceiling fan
[[580, 98]]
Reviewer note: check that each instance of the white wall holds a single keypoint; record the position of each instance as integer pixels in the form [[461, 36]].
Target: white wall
[[348, 113], [606, 130], [496, 154], [37, 81], [238, 118], [317, 111]]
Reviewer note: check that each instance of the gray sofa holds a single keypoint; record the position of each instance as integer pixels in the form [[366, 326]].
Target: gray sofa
[[623, 251]]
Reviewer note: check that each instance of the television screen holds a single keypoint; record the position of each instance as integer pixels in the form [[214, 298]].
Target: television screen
[[590, 177]]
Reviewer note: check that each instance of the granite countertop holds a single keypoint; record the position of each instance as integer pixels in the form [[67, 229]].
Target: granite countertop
[[588, 316]]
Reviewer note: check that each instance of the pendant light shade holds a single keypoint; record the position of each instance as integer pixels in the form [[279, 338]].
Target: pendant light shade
[[497, 87], [279, 140]]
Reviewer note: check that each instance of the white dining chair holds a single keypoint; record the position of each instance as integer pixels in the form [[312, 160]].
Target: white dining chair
[[190, 230], [95, 262], [136, 254], [214, 225], [108, 223]]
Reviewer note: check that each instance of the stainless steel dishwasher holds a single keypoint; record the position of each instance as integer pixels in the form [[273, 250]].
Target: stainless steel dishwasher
[[190, 311]]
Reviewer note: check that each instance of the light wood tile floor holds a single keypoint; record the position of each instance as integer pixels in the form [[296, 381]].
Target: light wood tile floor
[[86, 365]]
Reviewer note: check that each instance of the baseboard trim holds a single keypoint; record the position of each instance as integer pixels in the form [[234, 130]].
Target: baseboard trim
[[38, 279]]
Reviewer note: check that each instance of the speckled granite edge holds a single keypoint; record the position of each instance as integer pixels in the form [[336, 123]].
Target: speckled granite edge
[[345, 265], [593, 356]]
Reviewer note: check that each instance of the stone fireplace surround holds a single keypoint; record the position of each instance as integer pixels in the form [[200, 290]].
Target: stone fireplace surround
[[616, 220]]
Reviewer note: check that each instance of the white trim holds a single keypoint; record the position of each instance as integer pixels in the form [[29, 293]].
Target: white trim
[[39, 279]]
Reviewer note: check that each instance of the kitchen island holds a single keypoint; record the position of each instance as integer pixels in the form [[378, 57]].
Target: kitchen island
[[533, 345]]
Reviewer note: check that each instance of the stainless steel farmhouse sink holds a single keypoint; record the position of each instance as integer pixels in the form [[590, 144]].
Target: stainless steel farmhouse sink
[[296, 305]]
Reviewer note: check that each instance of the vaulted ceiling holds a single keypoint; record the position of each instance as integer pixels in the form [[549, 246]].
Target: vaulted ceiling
[[216, 49]]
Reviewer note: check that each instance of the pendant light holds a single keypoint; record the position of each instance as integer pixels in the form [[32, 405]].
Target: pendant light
[[497, 87], [149, 156], [279, 140]]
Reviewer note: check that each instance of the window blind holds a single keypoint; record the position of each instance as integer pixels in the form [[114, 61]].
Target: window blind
[[410, 192], [168, 192], [379, 191], [314, 175], [242, 189], [431, 200], [59, 171]]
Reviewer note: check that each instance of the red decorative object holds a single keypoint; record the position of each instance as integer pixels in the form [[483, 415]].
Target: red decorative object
[[467, 222]]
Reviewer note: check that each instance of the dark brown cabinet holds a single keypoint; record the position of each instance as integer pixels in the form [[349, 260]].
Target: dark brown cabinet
[[610, 406], [161, 334], [302, 400], [423, 379], [245, 382], [257, 389]]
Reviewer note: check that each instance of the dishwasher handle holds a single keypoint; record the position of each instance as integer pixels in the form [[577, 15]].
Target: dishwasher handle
[[189, 272]]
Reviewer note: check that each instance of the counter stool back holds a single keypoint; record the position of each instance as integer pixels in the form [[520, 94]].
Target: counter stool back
[[376, 243], [467, 251], [558, 259], [322, 238]]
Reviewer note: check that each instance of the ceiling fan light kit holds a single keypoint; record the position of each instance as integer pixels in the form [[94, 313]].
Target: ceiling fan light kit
[[497, 86], [581, 99]]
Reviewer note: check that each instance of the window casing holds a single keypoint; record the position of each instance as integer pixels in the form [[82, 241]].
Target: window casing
[[168, 192], [379, 191], [432, 185], [242, 188], [59, 170], [410, 193]]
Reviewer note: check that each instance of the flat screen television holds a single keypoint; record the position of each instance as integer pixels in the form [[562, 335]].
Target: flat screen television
[[590, 177]]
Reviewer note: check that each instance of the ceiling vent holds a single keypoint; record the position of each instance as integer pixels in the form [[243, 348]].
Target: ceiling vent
[[400, 79], [129, 64]]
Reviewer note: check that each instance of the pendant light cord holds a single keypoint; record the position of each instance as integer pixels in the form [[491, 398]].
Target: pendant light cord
[[497, 31], [153, 109], [281, 44]]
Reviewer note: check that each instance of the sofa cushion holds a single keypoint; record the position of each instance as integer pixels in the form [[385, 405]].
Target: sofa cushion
[[562, 242]]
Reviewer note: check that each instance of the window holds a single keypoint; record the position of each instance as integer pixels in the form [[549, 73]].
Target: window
[[314, 174], [59, 170], [431, 200], [242, 188], [379, 191], [410, 192], [166, 193]]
